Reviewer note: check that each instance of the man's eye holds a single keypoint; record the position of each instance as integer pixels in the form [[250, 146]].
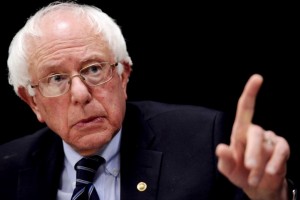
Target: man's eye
[[95, 68], [56, 78], [92, 70]]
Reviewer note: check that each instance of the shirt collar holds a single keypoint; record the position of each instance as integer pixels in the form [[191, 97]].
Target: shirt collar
[[110, 153]]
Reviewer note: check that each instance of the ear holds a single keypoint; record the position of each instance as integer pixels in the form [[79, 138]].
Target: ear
[[30, 100], [125, 76]]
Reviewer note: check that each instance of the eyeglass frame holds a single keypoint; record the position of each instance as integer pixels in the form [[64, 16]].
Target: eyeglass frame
[[112, 67]]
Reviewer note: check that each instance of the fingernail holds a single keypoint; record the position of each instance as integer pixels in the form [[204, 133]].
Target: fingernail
[[250, 163], [270, 170], [253, 181]]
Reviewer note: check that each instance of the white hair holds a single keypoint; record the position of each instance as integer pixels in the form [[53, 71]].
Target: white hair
[[18, 61]]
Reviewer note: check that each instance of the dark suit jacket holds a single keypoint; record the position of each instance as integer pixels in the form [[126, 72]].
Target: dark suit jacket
[[169, 147]]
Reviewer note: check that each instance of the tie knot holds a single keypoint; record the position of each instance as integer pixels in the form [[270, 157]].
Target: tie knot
[[86, 169]]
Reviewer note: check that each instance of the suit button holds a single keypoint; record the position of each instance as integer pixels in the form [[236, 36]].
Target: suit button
[[141, 186]]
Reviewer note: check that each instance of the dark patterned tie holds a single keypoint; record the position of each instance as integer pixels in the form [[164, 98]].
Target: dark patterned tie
[[86, 169]]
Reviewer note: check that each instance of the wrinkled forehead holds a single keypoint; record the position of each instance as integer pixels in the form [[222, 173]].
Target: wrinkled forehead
[[64, 33], [61, 26]]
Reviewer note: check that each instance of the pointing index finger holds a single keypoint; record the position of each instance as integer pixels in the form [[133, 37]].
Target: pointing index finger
[[245, 107]]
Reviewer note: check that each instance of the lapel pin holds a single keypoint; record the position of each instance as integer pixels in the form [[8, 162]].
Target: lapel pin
[[141, 186]]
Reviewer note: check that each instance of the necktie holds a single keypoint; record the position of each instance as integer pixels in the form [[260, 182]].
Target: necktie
[[85, 172]]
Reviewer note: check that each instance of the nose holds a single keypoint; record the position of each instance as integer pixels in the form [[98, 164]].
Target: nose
[[80, 93]]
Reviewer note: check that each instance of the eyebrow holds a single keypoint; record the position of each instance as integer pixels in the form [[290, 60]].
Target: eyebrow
[[58, 67], [45, 70]]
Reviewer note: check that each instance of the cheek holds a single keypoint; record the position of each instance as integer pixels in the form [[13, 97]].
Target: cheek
[[114, 91], [55, 107], [113, 100], [54, 114]]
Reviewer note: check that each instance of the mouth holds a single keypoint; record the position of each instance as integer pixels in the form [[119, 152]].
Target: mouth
[[89, 122]]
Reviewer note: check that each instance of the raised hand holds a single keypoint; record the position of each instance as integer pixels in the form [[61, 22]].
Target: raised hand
[[255, 160]]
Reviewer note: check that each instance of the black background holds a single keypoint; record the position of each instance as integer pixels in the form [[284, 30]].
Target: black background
[[190, 53]]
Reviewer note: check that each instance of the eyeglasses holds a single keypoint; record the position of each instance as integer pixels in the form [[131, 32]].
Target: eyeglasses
[[58, 84]]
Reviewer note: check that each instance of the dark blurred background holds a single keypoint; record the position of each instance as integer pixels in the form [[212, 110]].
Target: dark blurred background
[[190, 53]]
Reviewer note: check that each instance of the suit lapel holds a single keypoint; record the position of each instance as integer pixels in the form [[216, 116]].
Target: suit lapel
[[141, 180], [140, 166], [40, 178]]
